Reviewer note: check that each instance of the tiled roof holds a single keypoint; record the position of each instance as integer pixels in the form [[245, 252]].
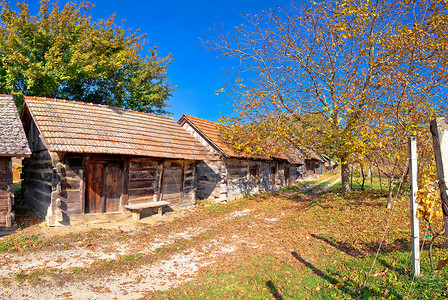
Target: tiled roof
[[69, 126], [210, 130], [310, 154], [294, 157], [13, 141]]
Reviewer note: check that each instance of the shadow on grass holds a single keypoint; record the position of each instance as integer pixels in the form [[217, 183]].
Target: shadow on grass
[[347, 287], [367, 249], [275, 293]]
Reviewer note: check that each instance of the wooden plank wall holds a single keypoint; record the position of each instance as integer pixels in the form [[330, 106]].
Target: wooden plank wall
[[172, 182], [72, 185], [6, 193], [146, 182], [37, 184], [188, 192], [144, 177], [208, 180], [234, 179], [237, 177]]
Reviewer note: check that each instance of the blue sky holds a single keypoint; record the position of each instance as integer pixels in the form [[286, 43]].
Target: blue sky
[[175, 27]]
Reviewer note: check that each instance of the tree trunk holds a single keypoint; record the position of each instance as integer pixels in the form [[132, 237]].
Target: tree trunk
[[371, 177], [363, 177], [345, 174], [391, 187], [381, 184], [351, 177]]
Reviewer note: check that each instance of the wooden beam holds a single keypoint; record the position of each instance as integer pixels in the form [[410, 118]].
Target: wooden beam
[[159, 188], [183, 182], [125, 184], [439, 131]]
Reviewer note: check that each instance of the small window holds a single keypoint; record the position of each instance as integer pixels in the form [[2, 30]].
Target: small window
[[253, 174], [75, 162], [253, 171]]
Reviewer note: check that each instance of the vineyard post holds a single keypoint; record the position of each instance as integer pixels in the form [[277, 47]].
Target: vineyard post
[[412, 141], [439, 131]]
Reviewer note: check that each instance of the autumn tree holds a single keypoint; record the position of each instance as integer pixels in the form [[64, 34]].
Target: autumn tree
[[63, 53], [346, 62]]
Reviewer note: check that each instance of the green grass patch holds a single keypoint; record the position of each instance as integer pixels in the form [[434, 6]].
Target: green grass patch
[[171, 248], [33, 277], [332, 259], [20, 276], [17, 192], [22, 242], [133, 258]]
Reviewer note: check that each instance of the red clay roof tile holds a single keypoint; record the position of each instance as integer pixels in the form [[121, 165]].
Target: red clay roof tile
[[211, 131], [69, 126]]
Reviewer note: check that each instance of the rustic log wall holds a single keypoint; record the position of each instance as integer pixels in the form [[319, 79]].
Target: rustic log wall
[[188, 191], [146, 182], [37, 184], [209, 180], [6, 192], [144, 177], [71, 186], [231, 178], [34, 139]]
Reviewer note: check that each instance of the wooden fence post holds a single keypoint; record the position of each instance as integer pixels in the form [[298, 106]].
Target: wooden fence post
[[412, 143], [439, 131]]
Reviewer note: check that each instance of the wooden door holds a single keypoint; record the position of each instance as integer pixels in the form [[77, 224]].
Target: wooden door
[[5, 180], [113, 187], [172, 184], [95, 187]]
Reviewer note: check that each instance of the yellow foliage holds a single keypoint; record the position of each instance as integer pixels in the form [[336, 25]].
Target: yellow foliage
[[428, 196]]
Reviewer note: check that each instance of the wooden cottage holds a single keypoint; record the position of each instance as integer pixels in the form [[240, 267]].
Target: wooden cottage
[[13, 143], [90, 159], [230, 174], [313, 162]]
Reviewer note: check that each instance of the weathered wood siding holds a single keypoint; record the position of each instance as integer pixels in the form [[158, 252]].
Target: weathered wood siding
[[168, 180], [189, 193], [72, 184], [6, 192], [34, 139], [231, 178], [144, 176], [177, 183], [38, 179], [200, 138]]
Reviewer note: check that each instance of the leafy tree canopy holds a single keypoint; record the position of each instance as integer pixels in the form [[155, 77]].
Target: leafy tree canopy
[[63, 53], [341, 71]]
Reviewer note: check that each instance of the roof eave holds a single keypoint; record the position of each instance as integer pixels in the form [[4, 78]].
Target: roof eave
[[185, 118]]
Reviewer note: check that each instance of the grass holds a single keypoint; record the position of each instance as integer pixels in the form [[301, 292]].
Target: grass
[[33, 277], [331, 259], [21, 242], [17, 192], [319, 248]]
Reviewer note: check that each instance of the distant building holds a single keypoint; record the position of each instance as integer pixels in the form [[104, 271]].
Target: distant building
[[13, 143], [230, 174]]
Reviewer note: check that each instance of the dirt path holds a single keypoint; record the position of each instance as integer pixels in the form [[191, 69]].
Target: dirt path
[[128, 260]]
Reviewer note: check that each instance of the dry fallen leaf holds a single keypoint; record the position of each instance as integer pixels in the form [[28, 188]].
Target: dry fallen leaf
[[442, 263]]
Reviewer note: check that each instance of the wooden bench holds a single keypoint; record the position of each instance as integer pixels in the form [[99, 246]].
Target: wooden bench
[[136, 209]]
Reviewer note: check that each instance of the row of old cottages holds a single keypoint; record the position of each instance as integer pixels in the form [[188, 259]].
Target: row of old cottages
[[87, 160]]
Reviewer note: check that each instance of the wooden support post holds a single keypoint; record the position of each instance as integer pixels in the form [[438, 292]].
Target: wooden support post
[[439, 131], [412, 142], [136, 214]]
